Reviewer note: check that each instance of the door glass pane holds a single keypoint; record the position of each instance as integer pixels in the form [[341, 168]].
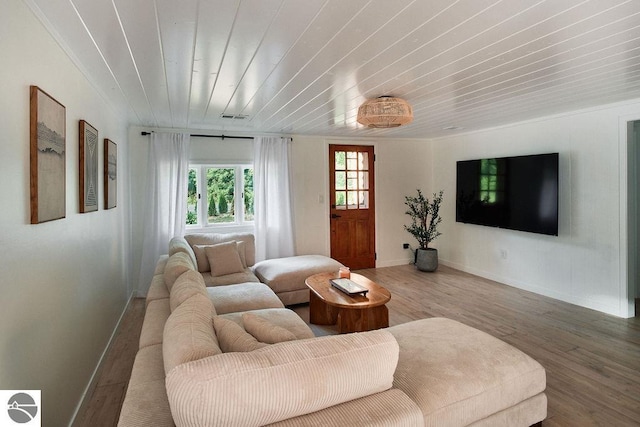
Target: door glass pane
[[352, 200], [364, 200], [352, 180], [340, 160], [363, 161], [220, 195], [352, 160], [341, 180], [248, 194], [363, 180], [341, 199], [192, 198]]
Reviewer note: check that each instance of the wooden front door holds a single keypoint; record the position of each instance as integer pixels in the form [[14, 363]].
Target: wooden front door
[[352, 199]]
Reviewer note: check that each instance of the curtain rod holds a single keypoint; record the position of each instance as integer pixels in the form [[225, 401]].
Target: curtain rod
[[223, 137]]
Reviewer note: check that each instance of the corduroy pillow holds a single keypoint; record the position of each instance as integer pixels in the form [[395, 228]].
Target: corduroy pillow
[[281, 381], [265, 331], [224, 259], [203, 261], [177, 264], [233, 338]]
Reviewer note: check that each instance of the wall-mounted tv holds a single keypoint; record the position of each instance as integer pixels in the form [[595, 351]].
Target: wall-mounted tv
[[518, 193]]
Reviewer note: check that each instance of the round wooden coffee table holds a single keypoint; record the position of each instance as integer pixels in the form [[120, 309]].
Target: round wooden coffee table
[[351, 313]]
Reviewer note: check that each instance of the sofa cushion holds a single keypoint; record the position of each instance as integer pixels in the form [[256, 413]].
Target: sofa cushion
[[187, 285], [281, 380], [160, 265], [245, 275], [157, 289], [282, 317], [386, 409], [243, 297], [156, 315], [224, 259], [265, 331], [188, 334], [180, 244], [233, 338], [177, 264], [288, 274], [457, 374], [215, 238]]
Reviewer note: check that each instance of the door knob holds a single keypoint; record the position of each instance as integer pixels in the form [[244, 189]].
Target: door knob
[[335, 216]]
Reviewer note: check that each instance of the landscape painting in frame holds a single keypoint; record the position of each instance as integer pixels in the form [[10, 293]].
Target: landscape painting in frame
[[88, 168], [110, 174], [47, 152]]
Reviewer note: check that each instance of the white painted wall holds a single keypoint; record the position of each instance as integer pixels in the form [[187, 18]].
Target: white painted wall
[[583, 264], [401, 167], [65, 283]]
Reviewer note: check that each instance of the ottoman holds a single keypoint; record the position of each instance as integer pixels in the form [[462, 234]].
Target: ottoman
[[286, 276]]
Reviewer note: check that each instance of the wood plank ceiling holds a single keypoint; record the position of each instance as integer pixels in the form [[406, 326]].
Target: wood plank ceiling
[[304, 66]]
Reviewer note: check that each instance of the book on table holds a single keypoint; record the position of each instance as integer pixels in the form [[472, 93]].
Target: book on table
[[348, 286]]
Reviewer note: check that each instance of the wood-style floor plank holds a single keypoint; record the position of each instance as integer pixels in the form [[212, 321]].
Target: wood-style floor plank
[[592, 359]]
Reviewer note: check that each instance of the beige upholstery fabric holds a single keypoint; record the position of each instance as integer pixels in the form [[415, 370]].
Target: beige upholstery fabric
[[243, 297], [203, 262], [524, 414], [188, 334], [233, 338], [390, 408], [215, 238], [177, 264], [289, 274], [146, 403], [180, 244], [294, 297], [230, 279], [157, 313], [282, 380], [457, 374], [223, 259], [187, 285], [157, 289], [265, 331], [282, 317], [162, 262]]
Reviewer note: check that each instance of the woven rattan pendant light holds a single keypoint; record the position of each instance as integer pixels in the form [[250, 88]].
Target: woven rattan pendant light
[[385, 112]]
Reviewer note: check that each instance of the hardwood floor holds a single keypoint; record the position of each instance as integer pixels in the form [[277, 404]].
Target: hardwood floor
[[592, 359]]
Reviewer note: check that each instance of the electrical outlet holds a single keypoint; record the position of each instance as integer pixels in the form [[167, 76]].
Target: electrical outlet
[[405, 246], [503, 254]]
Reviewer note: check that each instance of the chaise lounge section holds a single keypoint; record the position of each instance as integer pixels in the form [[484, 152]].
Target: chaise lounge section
[[234, 355]]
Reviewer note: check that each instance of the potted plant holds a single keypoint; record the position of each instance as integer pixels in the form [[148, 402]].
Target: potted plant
[[425, 217]]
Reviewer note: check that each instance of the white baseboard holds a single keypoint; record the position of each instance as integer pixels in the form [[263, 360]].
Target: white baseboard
[[88, 391]]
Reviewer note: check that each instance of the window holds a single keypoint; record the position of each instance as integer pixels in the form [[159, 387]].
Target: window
[[219, 195]]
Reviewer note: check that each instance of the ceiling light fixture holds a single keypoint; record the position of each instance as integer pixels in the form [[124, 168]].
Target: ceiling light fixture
[[385, 112]]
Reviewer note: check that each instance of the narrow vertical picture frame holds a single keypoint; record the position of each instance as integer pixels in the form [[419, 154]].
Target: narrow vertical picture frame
[[88, 167], [110, 174], [47, 157]]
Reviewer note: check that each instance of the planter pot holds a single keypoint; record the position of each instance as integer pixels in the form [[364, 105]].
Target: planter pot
[[426, 259]]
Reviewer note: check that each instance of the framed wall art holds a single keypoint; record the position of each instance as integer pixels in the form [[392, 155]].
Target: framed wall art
[[88, 168], [110, 174], [47, 157]]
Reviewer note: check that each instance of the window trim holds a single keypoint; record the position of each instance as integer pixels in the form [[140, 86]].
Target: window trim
[[203, 202]]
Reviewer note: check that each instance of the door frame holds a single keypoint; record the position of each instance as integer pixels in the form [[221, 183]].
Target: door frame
[[327, 191]]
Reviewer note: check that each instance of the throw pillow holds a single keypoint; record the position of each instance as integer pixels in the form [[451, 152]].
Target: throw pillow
[[242, 252], [232, 338], [224, 259], [201, 258], [265, 331]]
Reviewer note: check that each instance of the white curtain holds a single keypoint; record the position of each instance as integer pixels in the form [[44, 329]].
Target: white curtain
[[272, 203], [166, 204]]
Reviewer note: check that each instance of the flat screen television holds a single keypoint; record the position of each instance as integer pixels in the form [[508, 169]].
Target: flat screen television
[[517, 193]]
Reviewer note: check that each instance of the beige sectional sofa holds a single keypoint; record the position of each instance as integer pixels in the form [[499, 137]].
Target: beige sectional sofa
[[234, 355]]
